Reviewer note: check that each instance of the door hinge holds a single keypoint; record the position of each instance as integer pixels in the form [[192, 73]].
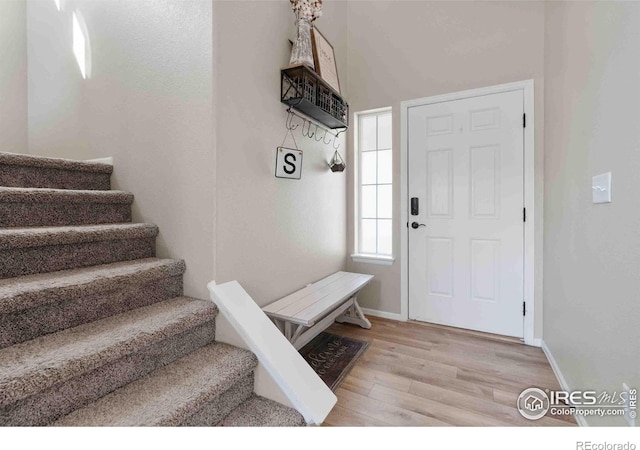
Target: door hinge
[[524, 121], [524, 308], [524, 214]]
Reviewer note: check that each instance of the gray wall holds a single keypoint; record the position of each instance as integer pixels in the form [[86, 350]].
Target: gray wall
[[592, 252], [402, 50], [273, 235], [13, 76], [148, 103]]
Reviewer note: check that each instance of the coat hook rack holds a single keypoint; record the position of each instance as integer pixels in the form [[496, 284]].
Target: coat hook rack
[[336, 164], [317, 133]]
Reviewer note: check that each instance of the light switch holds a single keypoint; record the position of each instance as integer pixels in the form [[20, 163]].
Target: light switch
[[601, 186]]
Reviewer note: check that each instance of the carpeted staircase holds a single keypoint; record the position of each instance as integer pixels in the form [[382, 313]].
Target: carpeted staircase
[[94, 330]]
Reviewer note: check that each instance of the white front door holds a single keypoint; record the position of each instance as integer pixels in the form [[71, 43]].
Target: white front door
[[466, 266]]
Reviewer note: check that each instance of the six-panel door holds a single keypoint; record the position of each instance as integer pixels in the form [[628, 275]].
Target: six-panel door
[[466, 167]]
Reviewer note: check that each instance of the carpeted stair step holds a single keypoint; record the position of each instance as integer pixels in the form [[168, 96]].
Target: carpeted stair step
[[17, 170], [25, 251], [199, 389], [36, 305], [34, 207], [50, 376], [261, 412]]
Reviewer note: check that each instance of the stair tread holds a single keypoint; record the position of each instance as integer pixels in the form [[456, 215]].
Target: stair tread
[[171, 394], [38, 364], [28, 291], [42, 236], [18, 159], [49, 195], [261, 412]]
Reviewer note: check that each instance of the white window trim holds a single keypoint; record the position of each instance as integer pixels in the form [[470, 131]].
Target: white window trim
[[357, 256], [372, 259]]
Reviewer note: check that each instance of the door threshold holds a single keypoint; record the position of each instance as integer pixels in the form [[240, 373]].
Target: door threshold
[[465, 331]]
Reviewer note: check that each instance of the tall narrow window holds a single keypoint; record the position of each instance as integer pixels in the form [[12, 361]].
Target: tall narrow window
[[374, 186]]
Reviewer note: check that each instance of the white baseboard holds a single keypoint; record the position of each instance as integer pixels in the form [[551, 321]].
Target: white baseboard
[[537, 342], [383, 314], [562, 380], [108, 160]]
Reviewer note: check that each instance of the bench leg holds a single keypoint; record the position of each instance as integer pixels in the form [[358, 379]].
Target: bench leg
[[310, 332], [299, 330], [354, 315], [287, 330], [293, 332], [279, 324]]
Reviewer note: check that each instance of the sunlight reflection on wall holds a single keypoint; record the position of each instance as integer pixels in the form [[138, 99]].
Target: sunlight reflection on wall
[[81, 45]]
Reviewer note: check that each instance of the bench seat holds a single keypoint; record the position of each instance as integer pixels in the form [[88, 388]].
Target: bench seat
[[304, 314]]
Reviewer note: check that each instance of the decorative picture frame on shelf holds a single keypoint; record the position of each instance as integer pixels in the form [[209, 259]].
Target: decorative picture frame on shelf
[[325, 59]]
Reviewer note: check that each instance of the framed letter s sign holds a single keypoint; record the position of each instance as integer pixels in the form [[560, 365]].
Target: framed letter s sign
[[288, 163]]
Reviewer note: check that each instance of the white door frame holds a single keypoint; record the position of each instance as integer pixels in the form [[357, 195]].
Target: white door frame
[[529, 186]]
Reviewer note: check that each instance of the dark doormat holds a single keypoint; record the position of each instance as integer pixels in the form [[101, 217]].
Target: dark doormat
[[333, 356]]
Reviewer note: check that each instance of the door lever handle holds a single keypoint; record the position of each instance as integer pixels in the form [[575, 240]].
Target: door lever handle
[[416, 225]]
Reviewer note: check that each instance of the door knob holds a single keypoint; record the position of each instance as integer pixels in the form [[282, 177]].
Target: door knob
[[416, 225]]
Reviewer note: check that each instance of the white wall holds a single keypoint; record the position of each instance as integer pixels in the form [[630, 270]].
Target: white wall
[[148, 103], [273, 235], [592, 252], [13, 76], [402, 50]]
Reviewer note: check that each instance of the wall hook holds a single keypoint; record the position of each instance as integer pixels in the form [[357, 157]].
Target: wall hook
[[335, 137], [289, 123], [318, 135], [307, 133]]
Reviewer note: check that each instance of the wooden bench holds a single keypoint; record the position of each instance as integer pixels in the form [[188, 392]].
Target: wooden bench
[[304, 314]]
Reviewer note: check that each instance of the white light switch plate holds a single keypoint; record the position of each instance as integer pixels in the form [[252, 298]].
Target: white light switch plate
[[601, 187]]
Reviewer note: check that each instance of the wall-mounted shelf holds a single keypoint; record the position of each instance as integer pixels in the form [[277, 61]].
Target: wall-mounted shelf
[[303, 89]]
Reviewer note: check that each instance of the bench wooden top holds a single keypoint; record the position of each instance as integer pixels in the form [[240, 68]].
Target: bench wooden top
[[311, 303]]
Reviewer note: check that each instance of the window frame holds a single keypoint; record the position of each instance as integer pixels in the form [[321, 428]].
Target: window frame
[[358, 255]]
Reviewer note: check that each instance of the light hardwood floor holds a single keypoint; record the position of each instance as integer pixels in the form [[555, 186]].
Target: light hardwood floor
[[415, 374]]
